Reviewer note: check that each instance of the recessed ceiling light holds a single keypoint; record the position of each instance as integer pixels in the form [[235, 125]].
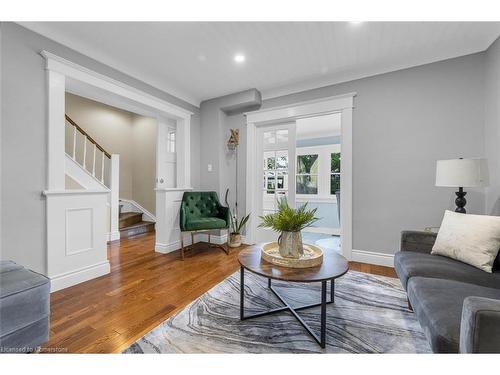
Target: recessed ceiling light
[[239, 58], [355, 23]]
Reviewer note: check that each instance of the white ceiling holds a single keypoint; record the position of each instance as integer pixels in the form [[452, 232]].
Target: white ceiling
[[319, 126], [194, 60]]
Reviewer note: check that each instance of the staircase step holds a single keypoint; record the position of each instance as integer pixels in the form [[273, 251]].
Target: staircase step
[[129, 218], [137, 228]]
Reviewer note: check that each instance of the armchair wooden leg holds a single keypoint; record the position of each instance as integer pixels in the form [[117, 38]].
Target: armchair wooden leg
[[182, 247], [192, 240], [208, 237]]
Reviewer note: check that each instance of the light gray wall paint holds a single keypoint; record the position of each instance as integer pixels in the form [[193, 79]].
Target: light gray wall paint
[[24, 138], [402, 123], [492, 126]]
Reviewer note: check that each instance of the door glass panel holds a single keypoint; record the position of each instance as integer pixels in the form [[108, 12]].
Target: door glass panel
[[269, 138], [282, 136], [275, 169]]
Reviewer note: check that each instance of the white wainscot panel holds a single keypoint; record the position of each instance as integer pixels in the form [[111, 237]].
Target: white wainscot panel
[[76, 237], [79, 230]]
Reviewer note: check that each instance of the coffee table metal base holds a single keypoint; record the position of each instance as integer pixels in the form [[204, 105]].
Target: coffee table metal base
[[321, 339]]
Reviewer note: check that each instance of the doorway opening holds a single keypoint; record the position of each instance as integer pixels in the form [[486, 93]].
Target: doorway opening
[[298, 151], [317, 179]]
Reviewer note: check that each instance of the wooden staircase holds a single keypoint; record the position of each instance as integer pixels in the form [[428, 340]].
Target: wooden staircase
[[131, 224]]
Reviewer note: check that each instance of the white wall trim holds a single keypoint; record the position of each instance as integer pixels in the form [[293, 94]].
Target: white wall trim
[[77, 276], [112, 236], [146, 215], [325, 230], [78, 72], [371, 257], [308, 108], [336, 104]]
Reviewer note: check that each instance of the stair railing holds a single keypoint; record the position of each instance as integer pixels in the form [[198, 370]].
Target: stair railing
[[86, 137]]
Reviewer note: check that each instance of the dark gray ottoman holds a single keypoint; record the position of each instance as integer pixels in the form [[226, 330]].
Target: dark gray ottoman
[[24, 308]]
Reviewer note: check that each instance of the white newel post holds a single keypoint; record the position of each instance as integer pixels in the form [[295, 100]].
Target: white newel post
[[114, 186]]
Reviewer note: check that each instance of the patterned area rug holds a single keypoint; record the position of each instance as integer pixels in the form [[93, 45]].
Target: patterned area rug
[[370, 315]]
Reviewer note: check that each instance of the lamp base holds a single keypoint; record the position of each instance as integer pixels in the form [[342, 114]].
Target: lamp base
[[460, 201]]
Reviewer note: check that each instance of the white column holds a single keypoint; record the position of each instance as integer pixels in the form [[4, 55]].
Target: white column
[[56, 123], [114, 186], [183, 151]]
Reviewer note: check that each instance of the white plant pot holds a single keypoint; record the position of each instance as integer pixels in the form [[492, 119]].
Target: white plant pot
[[234, 240], [290, 245]]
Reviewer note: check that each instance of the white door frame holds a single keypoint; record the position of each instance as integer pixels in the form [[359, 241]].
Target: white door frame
[[342, 104], [76, 246]]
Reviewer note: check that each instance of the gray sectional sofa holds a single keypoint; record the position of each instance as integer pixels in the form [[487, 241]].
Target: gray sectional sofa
[[457, 305], [24, 308]]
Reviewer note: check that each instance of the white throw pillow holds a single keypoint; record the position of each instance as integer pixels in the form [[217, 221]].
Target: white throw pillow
[[472, 239]]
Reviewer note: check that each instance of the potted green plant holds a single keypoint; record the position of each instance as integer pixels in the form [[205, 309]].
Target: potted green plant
[[236, 225], [289, 222]]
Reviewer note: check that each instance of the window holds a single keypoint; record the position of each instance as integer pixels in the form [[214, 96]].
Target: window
[[318, 172], [171, 141], [307, 174], [334, 172]]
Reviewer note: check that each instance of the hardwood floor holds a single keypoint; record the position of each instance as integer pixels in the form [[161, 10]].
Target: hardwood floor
[[107, 314]]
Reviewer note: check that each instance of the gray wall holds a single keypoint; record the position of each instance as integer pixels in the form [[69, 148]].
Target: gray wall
[[492, 126], [402, 123], [24, 138]]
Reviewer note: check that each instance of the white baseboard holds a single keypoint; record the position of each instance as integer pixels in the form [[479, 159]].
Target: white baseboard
[[199, 237], [333, 231], [78, 276], [370, 257], [112, 236]]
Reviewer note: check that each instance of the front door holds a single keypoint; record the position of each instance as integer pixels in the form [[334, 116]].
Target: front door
[[276, 163]]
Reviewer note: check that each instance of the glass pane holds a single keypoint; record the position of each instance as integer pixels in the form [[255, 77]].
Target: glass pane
[[268, 201], [271, 163], [269, 138], [334, 183], [281, 160], [307, 164], [282, 180], [335, 162], [307, 185], [270, 181], [282, 136]]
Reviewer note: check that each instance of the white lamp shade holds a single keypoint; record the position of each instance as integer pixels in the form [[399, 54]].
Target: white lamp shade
[[462, 173]]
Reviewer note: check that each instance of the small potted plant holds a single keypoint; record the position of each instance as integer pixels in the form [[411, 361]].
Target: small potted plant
[[236, 225], [289, 222]]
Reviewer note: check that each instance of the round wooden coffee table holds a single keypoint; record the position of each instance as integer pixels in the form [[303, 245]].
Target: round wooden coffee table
[[333, 266]]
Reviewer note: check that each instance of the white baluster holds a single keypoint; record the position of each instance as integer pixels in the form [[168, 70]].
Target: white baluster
[[84, 151], [102, 168], [93, 165], [74, 142]]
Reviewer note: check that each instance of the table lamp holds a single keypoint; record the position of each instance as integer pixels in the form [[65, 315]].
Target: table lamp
[[460, 173]]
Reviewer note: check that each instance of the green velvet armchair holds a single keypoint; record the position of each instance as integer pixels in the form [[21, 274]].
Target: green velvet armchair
[[201, 211]]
